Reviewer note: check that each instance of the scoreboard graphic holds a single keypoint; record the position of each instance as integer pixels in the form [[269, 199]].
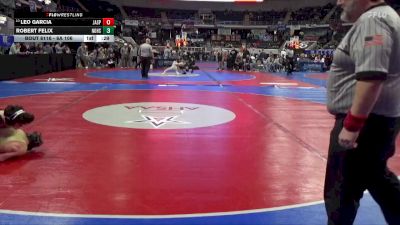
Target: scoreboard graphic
[[63, 27]]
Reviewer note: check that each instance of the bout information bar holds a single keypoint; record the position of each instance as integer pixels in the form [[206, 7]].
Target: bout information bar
[[63, 38], [63, 27]]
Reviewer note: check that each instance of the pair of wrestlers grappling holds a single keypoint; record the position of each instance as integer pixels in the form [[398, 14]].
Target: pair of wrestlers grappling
[[181, 66]]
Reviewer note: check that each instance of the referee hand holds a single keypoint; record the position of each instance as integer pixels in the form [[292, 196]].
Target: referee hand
[[347, 139]]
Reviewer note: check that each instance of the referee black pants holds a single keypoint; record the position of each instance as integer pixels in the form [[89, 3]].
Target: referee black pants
[[350, 172], [145, 63], [290, 62]]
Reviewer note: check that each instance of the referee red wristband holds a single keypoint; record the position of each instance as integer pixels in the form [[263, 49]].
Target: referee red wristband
[[354, 123]]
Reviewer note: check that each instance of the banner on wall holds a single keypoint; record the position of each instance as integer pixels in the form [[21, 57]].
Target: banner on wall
[[300, 45], [311, 67], [281, 27], [258, 31], [6, 40], [320, 52], [134, 23], [224, 31], [197, 40]]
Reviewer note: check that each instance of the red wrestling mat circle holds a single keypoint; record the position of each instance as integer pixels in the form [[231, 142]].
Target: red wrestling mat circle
[[270, 154]]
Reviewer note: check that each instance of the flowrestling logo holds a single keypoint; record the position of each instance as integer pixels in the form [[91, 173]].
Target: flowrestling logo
[[159, 115]]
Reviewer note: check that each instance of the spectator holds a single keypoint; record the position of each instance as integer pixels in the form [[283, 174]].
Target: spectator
[[59, 49], [15, 48], [47, 49]]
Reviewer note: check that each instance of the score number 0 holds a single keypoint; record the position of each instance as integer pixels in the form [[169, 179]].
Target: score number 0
[[108, 21]]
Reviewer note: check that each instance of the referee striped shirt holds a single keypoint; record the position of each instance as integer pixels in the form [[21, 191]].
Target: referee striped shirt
[[369, 51], [145, 50]]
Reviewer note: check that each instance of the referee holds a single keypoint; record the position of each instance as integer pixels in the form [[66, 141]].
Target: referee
[[289, 60], [364, 95], [146, 56]]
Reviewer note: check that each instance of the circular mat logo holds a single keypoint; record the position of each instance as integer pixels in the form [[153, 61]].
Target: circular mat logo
[[159, 115]]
